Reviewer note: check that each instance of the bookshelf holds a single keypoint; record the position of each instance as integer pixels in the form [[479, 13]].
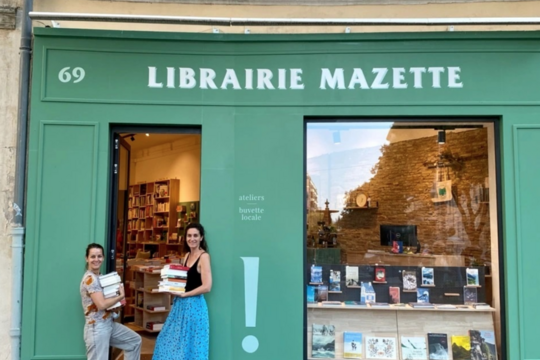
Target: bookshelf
[[142, 286], [152, 217]]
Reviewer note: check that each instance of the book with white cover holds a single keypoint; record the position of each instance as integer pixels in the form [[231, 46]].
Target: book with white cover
[[109, 279], [413, 348], [378, 347], [351, 277]]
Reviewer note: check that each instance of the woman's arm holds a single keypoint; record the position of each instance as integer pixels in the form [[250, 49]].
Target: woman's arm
[[102, 303], [206, 277]]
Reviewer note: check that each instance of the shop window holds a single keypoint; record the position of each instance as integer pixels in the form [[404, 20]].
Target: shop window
[[402, 240]]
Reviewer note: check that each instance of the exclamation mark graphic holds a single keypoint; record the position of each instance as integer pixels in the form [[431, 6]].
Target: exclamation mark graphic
[[250, 343]]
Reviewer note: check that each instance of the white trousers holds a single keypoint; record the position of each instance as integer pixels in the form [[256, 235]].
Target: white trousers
[[102, 334]]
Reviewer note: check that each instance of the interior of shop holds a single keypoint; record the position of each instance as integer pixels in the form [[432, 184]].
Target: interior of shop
[[158, 195], [386, 199]]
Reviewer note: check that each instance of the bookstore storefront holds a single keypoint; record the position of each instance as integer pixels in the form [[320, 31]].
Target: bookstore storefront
[[365, 195]]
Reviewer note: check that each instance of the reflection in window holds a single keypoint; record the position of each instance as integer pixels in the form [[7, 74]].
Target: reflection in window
[[402, 214]]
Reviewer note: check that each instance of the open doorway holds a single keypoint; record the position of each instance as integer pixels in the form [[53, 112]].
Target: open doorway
[[155, 193]]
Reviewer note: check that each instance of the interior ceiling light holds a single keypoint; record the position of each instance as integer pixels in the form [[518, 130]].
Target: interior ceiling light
[[147, 134], [337, 137], [441, 137]]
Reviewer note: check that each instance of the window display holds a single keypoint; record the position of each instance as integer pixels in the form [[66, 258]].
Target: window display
[[402, 240]]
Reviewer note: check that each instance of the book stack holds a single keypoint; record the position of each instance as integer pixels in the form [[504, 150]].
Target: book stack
[[418, 305], [154, 325], [174, 277], [111, 283], [156, 308]]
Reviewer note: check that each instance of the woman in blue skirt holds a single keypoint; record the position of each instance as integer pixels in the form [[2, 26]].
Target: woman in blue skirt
[[185, 333]]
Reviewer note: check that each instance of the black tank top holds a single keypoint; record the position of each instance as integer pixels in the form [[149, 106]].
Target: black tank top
[[193, 276]]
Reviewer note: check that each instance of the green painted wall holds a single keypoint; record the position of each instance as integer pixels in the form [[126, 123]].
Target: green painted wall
[[252, 144]]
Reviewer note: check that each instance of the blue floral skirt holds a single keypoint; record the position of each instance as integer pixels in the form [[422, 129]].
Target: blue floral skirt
[[185, 334]]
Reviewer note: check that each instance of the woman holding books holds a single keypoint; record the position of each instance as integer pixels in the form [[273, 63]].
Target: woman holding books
[[185, 333], [100, 329]]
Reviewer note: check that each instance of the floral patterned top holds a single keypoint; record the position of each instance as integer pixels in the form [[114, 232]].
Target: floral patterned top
[[90, 284]]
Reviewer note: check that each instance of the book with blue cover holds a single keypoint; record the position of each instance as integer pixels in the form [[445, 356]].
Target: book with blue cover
[[352, 345], [310, 294], [316, 274], [422, 295], [334, 284]]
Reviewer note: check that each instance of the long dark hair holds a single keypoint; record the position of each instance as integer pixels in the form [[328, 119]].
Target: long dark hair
[[200, 228], [93, 246]]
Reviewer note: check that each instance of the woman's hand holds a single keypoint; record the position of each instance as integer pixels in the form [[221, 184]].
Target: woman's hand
[[121, 291]]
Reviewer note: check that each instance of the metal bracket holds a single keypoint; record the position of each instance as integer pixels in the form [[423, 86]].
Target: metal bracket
[[215, 30]]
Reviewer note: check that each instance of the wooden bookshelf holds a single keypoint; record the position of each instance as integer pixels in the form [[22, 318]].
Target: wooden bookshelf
[[144, 297], [152, 216]]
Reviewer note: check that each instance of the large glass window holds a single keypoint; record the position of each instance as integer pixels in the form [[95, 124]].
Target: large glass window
[[402, 240]]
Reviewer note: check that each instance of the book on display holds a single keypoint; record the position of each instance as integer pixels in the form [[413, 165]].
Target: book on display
[[352, 345]]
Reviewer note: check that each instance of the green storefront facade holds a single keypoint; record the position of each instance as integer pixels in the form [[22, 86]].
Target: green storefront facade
[[251, 96]]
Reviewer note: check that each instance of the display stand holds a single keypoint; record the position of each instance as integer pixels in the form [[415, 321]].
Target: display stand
[[395, 322], [144, 283]]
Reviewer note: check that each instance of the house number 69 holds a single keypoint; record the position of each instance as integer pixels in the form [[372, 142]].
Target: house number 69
[[77, 73]]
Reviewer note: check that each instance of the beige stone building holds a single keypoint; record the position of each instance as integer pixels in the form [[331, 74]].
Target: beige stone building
[[11, 19]]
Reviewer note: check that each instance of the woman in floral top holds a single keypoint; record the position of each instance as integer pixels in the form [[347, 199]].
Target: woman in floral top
[[100, 329]]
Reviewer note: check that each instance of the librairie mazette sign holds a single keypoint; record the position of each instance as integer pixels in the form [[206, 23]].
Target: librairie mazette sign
[[319, 73]]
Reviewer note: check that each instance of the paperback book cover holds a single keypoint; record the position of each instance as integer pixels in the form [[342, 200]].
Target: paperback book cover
[[380, 274], [409, 280], [351, 276], [380, 347], [438, 346], [428, 276], [335, 281], [395, 297], [367, 293], [413, 348], [461, 347], [472, 277], [323, 344], [310, 294], [321, 293], [470, 295], [352, 345], [422, 295], [483, 345], [316, 274]]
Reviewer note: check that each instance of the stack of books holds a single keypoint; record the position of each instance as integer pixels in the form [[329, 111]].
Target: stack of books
[[110, 283], [173, 278], [154, 325], [424, 305]]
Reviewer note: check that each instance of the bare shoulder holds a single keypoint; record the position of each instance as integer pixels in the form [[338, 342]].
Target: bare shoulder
[[205, 256]]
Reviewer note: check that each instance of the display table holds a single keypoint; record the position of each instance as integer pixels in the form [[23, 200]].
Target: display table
[[395, 322]]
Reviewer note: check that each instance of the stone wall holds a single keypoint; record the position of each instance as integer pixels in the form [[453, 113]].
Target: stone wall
[[402, 188], [9, 85]]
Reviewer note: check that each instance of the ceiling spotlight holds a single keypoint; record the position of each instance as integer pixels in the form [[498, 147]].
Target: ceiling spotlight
[[147, 134], [337, 137], [441, 137], [132, 138]]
